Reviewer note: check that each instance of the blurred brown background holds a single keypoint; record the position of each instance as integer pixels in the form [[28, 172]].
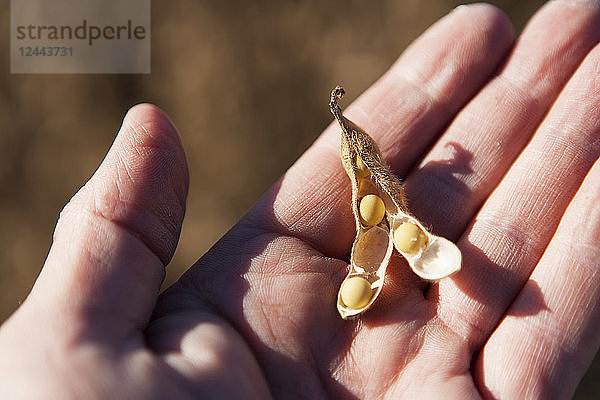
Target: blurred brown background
[[252, 77]]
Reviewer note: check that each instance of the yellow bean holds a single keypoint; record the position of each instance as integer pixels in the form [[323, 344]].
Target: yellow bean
[[362, 171], [371, 210], [356, 292], [409, 238]]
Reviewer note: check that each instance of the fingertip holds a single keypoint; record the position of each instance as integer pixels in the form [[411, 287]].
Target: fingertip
[[145, 109], [148, 126], [149, 120], [488, 15], [147, 114]]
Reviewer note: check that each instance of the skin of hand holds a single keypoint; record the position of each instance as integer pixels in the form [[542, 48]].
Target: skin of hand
[[497, 141]]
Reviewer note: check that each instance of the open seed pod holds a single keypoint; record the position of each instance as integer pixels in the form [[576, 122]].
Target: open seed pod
[[383, 223]]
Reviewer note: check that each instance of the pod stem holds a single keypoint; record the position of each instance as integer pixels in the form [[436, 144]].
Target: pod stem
[[334, 106]]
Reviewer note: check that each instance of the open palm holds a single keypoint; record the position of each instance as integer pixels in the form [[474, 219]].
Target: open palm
[[496, 143]]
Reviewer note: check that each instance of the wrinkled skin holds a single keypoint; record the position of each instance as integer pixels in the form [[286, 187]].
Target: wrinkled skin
[[497, 142]]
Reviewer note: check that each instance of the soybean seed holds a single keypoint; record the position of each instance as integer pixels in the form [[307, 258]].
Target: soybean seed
[[409, 238], [356, 292], [371, 209]]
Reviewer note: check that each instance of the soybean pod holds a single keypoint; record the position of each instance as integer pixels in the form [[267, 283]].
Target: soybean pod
[[383, 223]]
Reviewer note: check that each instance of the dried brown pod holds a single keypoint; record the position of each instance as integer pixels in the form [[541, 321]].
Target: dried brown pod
[[383, 223]]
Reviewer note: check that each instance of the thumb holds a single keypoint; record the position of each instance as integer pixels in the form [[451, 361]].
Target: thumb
[[115, 236]]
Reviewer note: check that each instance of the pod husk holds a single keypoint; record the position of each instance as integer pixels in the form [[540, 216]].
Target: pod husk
[[373, 246]]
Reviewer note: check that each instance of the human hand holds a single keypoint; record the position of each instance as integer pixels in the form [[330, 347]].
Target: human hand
[[497, 145]]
